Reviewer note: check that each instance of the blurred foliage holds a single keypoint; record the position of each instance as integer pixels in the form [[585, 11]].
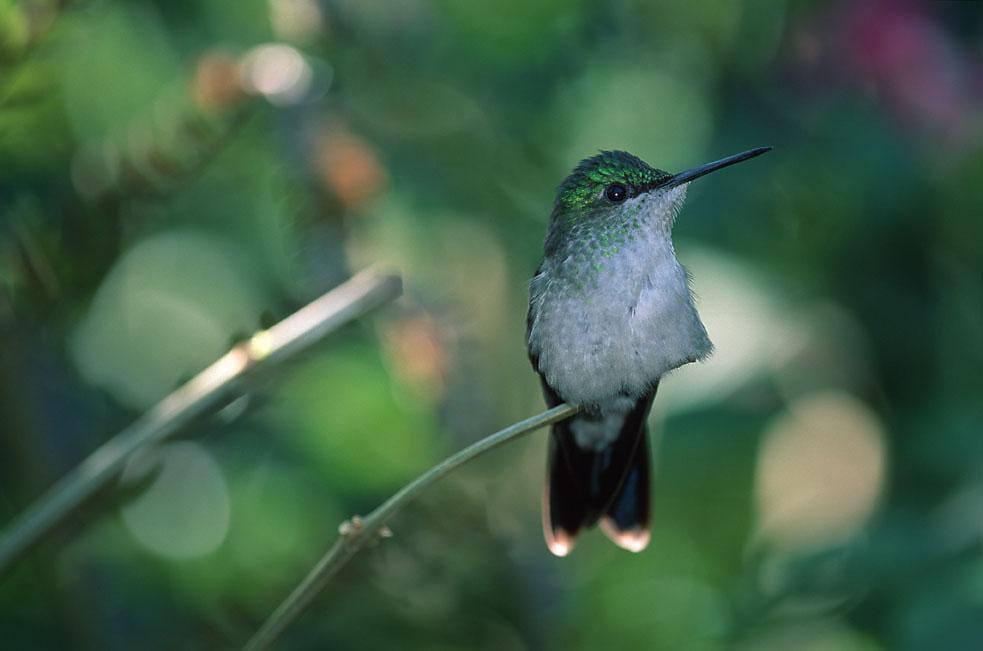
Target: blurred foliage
[[175, 175]]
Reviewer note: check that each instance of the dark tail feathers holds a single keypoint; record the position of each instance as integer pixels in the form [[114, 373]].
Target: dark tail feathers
[[611, 485]]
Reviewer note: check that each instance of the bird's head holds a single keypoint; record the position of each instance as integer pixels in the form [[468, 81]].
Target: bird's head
[[617, 190]]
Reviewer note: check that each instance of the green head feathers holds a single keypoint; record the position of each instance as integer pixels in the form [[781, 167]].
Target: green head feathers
[[586, 184], [596, 215]]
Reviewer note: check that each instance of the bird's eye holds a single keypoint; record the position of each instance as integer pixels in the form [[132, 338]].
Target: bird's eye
[[616, 193]]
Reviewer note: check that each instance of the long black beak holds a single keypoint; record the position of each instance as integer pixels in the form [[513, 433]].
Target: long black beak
[[703, 170]]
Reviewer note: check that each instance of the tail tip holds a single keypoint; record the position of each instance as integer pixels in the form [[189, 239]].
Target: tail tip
[[635, 539], [559, 542]]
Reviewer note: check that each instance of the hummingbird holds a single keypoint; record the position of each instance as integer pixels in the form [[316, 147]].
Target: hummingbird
[[610, 313]]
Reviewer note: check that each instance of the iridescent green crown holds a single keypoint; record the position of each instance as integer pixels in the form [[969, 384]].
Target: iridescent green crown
[[593, 174]]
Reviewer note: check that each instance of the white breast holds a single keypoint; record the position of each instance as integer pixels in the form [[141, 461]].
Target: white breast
[[621, 337]]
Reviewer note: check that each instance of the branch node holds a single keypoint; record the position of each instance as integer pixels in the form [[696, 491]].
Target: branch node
[[260, 345], [351, 527]]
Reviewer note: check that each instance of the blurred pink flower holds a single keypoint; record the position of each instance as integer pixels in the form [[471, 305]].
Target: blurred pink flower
[[900, 53]]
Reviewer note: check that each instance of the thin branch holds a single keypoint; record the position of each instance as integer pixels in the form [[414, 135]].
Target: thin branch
[[211, 389], [358, 532]]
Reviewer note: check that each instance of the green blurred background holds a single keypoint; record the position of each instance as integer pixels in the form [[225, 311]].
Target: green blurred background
[[176, 174]]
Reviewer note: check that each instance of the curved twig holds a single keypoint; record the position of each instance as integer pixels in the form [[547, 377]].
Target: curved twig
[[358, 532], [214, 387]]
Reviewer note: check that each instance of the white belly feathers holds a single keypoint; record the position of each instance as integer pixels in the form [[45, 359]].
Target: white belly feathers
[[619, 338]]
